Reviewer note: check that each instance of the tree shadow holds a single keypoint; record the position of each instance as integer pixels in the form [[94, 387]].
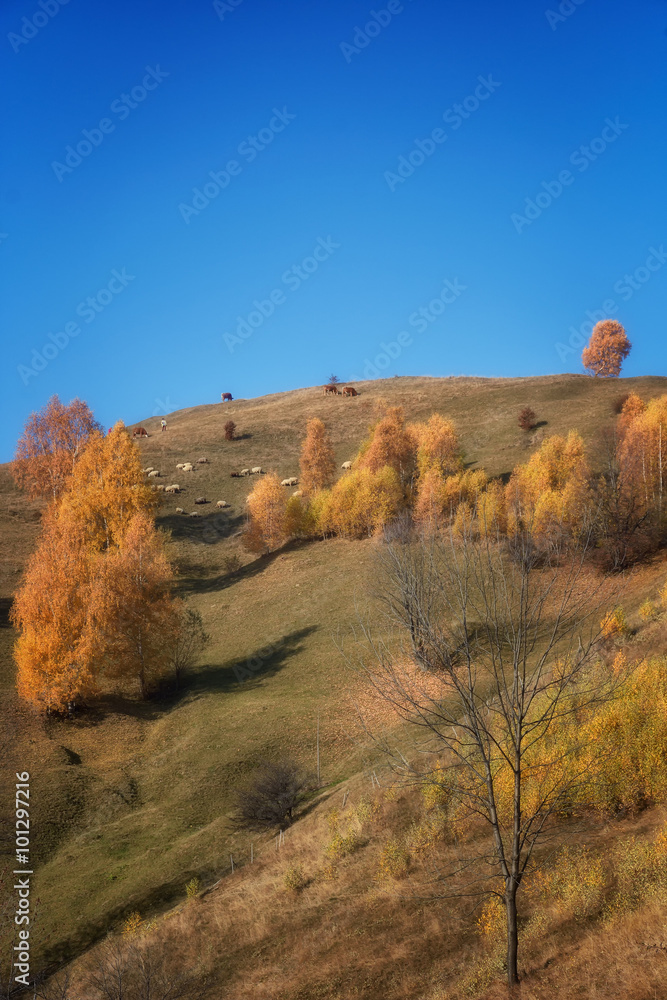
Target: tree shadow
[[248, 672], [5, 608], [540, 423]]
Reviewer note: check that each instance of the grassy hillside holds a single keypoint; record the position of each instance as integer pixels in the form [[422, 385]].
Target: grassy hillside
[[131, 799]]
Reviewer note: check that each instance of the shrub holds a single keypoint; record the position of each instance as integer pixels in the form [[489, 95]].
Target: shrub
[[133, 924], [648, 611], [394, 862], [230, 430], [341, 845], [614, 624], [231, 564], [294, 878], [576, 880], [192, 888], [527, 419], [271, 798]]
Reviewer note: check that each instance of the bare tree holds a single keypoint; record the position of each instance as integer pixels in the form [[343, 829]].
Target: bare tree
[[272, 797], [189, 641], [496, 653], [141, 971]]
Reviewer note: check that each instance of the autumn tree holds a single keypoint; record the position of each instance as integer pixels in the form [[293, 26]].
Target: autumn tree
[[392, 444], [318, 463], [129, 631], [606, 350], [361, 503], [106, 488], [437, 446], [267, 504], [633, 407], [187, 641], [50, 445], [642, 454], [50, 612], [230, 430], [527, 419]]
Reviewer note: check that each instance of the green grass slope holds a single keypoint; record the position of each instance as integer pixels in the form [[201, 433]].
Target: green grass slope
[[131, 799]]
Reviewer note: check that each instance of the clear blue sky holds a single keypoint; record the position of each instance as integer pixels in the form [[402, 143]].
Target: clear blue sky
[[182, 89]]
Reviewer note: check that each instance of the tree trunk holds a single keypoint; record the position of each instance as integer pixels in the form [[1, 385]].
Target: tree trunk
[[512, 935]]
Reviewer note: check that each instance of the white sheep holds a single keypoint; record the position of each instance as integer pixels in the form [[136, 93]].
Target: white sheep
[[174, 488], [297, 493], [149, 469], [153, 473], [202, 461], [257, 470], [290, 482], [346, 465], [160, 489], [188, 467], [193, 513], [245, 472], [222, 503], [179, 510], [180, 465]]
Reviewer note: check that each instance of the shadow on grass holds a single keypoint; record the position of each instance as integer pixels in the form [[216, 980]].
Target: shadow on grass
[[249, 672], [192, 585]]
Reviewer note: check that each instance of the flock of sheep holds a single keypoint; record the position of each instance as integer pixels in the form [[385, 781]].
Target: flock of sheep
[[220, 504]]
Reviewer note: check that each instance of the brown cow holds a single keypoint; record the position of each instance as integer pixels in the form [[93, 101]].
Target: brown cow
[[331, 390], [350, 391], [139, 432], [226, 397]]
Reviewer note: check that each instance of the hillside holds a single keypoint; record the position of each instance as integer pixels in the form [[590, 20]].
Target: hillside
[[131, 800]]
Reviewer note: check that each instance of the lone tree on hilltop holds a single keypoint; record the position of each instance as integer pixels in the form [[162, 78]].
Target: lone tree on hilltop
[[318, 464], [606, 350], [333, 380], [230, 430], [527, 419], [272, 797]]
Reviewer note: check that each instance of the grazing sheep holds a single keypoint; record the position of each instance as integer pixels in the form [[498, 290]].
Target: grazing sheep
[[179, 510], [202, 461], [346, 465], [149, 469], [180, 465], [297, 493], [222, 503], [201, 500], [188, 467], [160, 489], [152, 473], [293, 481], [193, 513], [245, 472], [174, 488], [257, 470]]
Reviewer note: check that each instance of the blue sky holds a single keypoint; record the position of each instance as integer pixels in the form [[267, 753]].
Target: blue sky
[[139, 282]]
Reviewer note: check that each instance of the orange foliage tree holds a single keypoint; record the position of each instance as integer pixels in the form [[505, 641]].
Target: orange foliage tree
[[106, 488], [50, 445], [318, 464], [50, 611], [391, 444], [267, 505], [607, 349], [642, 453], [437, 446], [133, 620], [361, 503], [550, 490]]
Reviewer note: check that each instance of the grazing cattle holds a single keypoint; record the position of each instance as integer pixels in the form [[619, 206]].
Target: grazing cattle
[[222, 503], [346, 466], [331, 390], [257, 470], [226, 397], [350, 391], [139, 432], [235, 475]]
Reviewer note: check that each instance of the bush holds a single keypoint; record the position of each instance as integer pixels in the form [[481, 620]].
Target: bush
[[272, 797], [192, 888], [294, 878], [230, 430], [648, 611], [394, 862], [231, 564], [527, 419], [614, 624]]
